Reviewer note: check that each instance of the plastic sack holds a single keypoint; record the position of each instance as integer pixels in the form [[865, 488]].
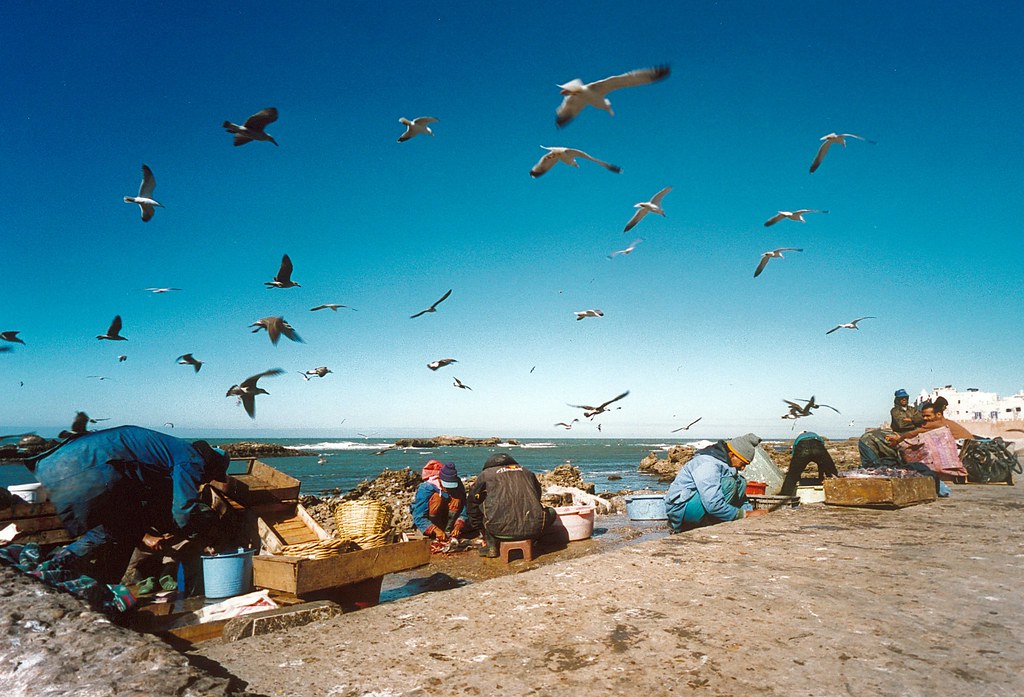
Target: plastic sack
[[936, 449]]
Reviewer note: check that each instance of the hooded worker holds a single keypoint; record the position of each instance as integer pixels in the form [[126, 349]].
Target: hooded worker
[[505, 503], [439, 507], [121, 487], [710, 488]]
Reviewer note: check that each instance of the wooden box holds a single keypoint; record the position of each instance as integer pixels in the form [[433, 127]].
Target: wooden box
[[878, 492], [37, 522], [301, 577], [260, 483]]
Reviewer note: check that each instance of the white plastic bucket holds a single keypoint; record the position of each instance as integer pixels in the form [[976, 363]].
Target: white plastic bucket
[[30, 493], [577, 520]]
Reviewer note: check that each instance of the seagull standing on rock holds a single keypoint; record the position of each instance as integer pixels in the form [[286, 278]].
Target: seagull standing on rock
[[145, 197], [645, 207], [276, 326], [568, 156], [774, 254], [417, 126], [578, 95], [253, 127], [827, 141]]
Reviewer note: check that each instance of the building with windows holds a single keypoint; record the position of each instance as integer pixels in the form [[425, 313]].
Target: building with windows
[[983, 413]]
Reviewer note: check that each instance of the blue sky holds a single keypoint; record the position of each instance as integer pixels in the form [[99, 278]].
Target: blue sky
[[923, 233]]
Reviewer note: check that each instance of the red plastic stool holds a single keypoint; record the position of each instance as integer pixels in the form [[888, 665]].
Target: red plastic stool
[[508, 546]]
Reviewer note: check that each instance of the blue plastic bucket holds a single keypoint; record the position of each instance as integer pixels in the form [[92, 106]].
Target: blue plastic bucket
[[647, 507], [226, 575]]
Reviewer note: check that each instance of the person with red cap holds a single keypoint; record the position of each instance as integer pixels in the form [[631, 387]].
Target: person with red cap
[[439, 507]]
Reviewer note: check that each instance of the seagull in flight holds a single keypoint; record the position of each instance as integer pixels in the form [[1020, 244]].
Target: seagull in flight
[[145, 198], [627, 250], [283, 279], [80, 425], [276, 326], [417, 126], [432, 308], [320, 372], [588, 313], [578, 95], [330, 306], [114, 331], [11, 336], [792, 215], [440, 363], [122, 358], [566, 426], [253, 127], [189, 359], [590, 412], [687, 426], [98, 377], [161, 290], [568, 156], [827, 141], [168, 423], [248, 389], [774, 254], [458, 383], [848, 325], [645, 207]]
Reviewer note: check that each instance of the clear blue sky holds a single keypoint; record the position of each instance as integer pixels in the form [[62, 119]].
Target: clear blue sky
[[924, 230]]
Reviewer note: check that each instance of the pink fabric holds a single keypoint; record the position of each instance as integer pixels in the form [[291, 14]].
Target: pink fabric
[[432, 472], [937, 449]]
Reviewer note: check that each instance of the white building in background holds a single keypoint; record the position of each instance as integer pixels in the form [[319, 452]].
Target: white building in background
[[977, 406]]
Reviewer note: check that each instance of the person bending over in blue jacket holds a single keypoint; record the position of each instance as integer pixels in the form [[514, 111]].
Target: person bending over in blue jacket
[[505, 504], [439, 507], [121, 487], [709, 488]]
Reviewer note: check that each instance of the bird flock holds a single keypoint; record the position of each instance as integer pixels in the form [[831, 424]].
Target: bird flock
[[576, 96]]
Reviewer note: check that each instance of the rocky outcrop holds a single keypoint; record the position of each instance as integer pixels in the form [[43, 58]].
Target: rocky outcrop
[[667, 468], [27, 446], [255, 449], [55, 644], [396, 488], [451, 442]]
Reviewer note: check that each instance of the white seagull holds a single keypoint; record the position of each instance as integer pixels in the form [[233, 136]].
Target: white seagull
[[792, 215], [645, 207], [568, 156], [145, 197], [827, 141], [253, 127], [157, 291], [320, 372], [247, 391], [330, 306], [848, 325], [440, 363], [774, 254], [627, 250], [417, 126], [588, 313], [578, 95]]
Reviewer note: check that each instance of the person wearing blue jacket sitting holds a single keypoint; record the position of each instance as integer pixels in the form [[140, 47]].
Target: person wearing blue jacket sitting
[[439, 507], [709, 488], [120, 487]]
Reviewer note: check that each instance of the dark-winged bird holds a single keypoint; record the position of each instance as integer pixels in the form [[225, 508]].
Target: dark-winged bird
[[276, 326], [432, 308], [590, 412], [248, 389], [114, 331], [283, 279], [253, 127]]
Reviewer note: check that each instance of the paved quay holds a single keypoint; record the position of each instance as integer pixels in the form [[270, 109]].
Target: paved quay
[[813, 601]]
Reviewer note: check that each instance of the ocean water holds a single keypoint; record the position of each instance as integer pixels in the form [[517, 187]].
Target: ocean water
[[346, 463]]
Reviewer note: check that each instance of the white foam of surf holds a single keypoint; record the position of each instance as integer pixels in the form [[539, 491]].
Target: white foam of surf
[[531, 445], [340, 445]]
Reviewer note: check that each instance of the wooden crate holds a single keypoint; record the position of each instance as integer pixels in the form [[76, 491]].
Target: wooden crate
[[300, 577], [290, 525], [878, 492], [260, 483], [37, 522]]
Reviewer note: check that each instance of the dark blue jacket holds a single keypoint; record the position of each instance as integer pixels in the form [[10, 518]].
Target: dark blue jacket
[[114, 484]]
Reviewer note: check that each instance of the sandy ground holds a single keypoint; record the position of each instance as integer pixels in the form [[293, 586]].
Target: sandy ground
[[814, 601]]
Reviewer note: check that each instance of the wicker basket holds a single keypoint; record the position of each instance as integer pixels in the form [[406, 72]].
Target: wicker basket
[[321, 549], [357, 519], [377, 540]]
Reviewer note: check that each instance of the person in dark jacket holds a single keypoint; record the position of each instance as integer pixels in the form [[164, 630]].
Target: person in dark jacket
[[902, 416], [505, 504], [808, 447], [439, 507], [127, 486]]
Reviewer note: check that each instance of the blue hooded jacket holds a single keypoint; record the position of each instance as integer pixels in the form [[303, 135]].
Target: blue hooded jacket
[[702, 475]]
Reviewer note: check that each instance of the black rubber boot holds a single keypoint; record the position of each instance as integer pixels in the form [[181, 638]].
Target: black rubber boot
[[491, 550]]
